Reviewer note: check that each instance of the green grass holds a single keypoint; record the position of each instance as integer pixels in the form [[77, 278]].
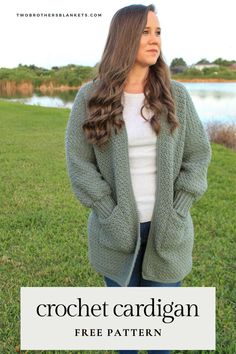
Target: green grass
[[43, 239]]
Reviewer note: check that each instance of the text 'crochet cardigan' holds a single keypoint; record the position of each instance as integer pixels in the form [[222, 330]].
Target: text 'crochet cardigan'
[[101, 180]]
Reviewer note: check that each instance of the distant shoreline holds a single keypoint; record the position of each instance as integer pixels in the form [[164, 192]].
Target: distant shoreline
[[10, 88], [203, 80]]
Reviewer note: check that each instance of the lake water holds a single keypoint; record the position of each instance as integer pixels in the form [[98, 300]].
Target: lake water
[[214, 102]]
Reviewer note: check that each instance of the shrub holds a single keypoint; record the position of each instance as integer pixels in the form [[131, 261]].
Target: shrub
[[224, 134]]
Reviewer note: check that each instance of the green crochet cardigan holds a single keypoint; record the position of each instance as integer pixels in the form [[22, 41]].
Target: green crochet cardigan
[[101, 180]]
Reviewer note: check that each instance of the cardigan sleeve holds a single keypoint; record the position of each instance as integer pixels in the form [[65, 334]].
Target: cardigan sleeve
[[191, 182], [86, 181]]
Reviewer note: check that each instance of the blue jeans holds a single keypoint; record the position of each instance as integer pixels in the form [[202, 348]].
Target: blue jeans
[[137, 280]]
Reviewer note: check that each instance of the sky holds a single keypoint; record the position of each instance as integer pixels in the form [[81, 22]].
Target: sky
[[191, 29]]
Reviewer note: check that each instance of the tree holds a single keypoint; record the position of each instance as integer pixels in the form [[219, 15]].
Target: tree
[[178, 62], [223, 62], [203, 61], [32, 67], [178, 65]]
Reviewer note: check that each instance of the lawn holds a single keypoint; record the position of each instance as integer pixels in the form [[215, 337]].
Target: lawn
[[43, 240]]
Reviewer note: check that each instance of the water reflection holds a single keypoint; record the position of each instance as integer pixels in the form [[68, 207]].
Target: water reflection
[[44, 101], [59, 99], [213, 101]]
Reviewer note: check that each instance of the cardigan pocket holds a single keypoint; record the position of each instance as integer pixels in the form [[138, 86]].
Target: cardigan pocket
[[175, 231], [115, 233]]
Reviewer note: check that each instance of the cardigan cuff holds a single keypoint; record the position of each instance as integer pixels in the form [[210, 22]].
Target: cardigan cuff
[[104, 206], [182, 202]]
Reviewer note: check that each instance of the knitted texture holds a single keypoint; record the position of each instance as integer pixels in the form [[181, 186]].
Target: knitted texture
[[101, 180]]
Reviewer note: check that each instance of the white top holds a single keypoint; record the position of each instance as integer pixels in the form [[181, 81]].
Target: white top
[[142, 153]]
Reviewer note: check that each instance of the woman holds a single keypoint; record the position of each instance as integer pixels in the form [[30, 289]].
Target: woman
[[137, 155]]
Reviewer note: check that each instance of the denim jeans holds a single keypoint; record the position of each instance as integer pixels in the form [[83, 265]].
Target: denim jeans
[[137, 280]]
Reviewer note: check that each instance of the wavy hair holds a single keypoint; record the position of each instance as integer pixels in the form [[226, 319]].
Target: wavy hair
[[104, 105]]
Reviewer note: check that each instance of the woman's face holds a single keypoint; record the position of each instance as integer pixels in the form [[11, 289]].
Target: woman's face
[[150, 42]]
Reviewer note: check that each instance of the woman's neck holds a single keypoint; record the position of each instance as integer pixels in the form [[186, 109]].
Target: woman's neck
[[136, 80]]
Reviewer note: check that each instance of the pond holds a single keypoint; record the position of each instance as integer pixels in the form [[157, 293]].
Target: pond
[[214, 102]]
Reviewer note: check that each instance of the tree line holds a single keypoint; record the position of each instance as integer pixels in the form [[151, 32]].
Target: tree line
[[75, 75]]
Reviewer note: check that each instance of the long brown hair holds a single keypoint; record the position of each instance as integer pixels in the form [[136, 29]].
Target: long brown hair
[[104, 105]]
